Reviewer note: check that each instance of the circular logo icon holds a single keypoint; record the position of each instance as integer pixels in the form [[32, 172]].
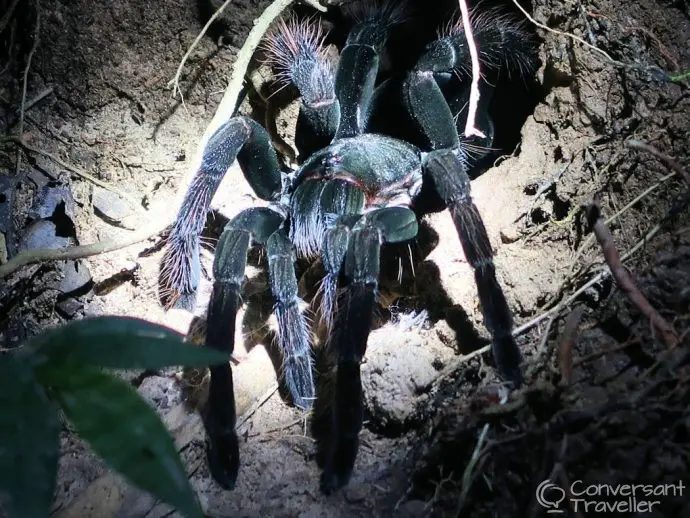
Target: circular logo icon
[[549, 496]]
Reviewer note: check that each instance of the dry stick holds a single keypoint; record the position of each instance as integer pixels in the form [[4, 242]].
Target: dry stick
[[604, 352], [175, 81], [470, 127], [42, 95], [557, 308], [625, 281], [640, 197]]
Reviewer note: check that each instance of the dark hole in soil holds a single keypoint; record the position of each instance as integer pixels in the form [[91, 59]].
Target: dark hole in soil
[[64, 226], [539, 216], [561, 208]]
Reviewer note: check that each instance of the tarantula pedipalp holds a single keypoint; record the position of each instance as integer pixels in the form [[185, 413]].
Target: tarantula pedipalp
[[355, 190]]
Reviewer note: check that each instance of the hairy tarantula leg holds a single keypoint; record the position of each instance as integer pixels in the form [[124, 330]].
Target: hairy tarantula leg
[[503, 44], [359, 65], [448, 168], [354, 82], [427, 106], [333, 252], [502, 41], [351, 331], [228, 269], [449, 172], [295, 51], [293, 332], [240, 138]]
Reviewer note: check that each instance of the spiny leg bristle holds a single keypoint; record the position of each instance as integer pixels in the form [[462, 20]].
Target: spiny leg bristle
[[328, 292], [291, 40], [386, 12], [509, 41], [176, 274]]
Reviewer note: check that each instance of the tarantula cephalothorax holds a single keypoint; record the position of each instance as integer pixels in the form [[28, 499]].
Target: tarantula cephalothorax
[[354, 191]]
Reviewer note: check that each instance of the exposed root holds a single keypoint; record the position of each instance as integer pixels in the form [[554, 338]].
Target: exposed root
[[567, 342], [38, 255], [625, 281]]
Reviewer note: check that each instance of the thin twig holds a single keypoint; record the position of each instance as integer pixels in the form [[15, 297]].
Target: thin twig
[[596, 50], [605, 272], [625, 281], [77, 252], [604, 352], [541, 349], [608, 221], [8, 15], [21, 142], [39, 97], [22, 111], [175, 81], [256, 405], [470, 127], [472, 468]]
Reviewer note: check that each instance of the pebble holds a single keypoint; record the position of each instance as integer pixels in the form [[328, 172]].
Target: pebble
[[41, 234], [110, 206], [76, 277], [49, 200]]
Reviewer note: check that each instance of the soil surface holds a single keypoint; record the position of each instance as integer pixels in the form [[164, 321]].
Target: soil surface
[[604, 404]]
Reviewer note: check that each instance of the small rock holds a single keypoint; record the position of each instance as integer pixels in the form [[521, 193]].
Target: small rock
[[356, 493], [49, 201], [160, 392], [76, 277], [42, 234], [68, 308], [110, 206]]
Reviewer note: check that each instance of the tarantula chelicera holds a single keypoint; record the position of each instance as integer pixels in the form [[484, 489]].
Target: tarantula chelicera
[[355, 189]]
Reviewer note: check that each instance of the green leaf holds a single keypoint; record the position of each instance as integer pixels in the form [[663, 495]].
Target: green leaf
[[119, 343], [128, 434], [29, 441]]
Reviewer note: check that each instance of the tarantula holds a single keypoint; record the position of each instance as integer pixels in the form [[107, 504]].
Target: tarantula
[[355, 190]]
